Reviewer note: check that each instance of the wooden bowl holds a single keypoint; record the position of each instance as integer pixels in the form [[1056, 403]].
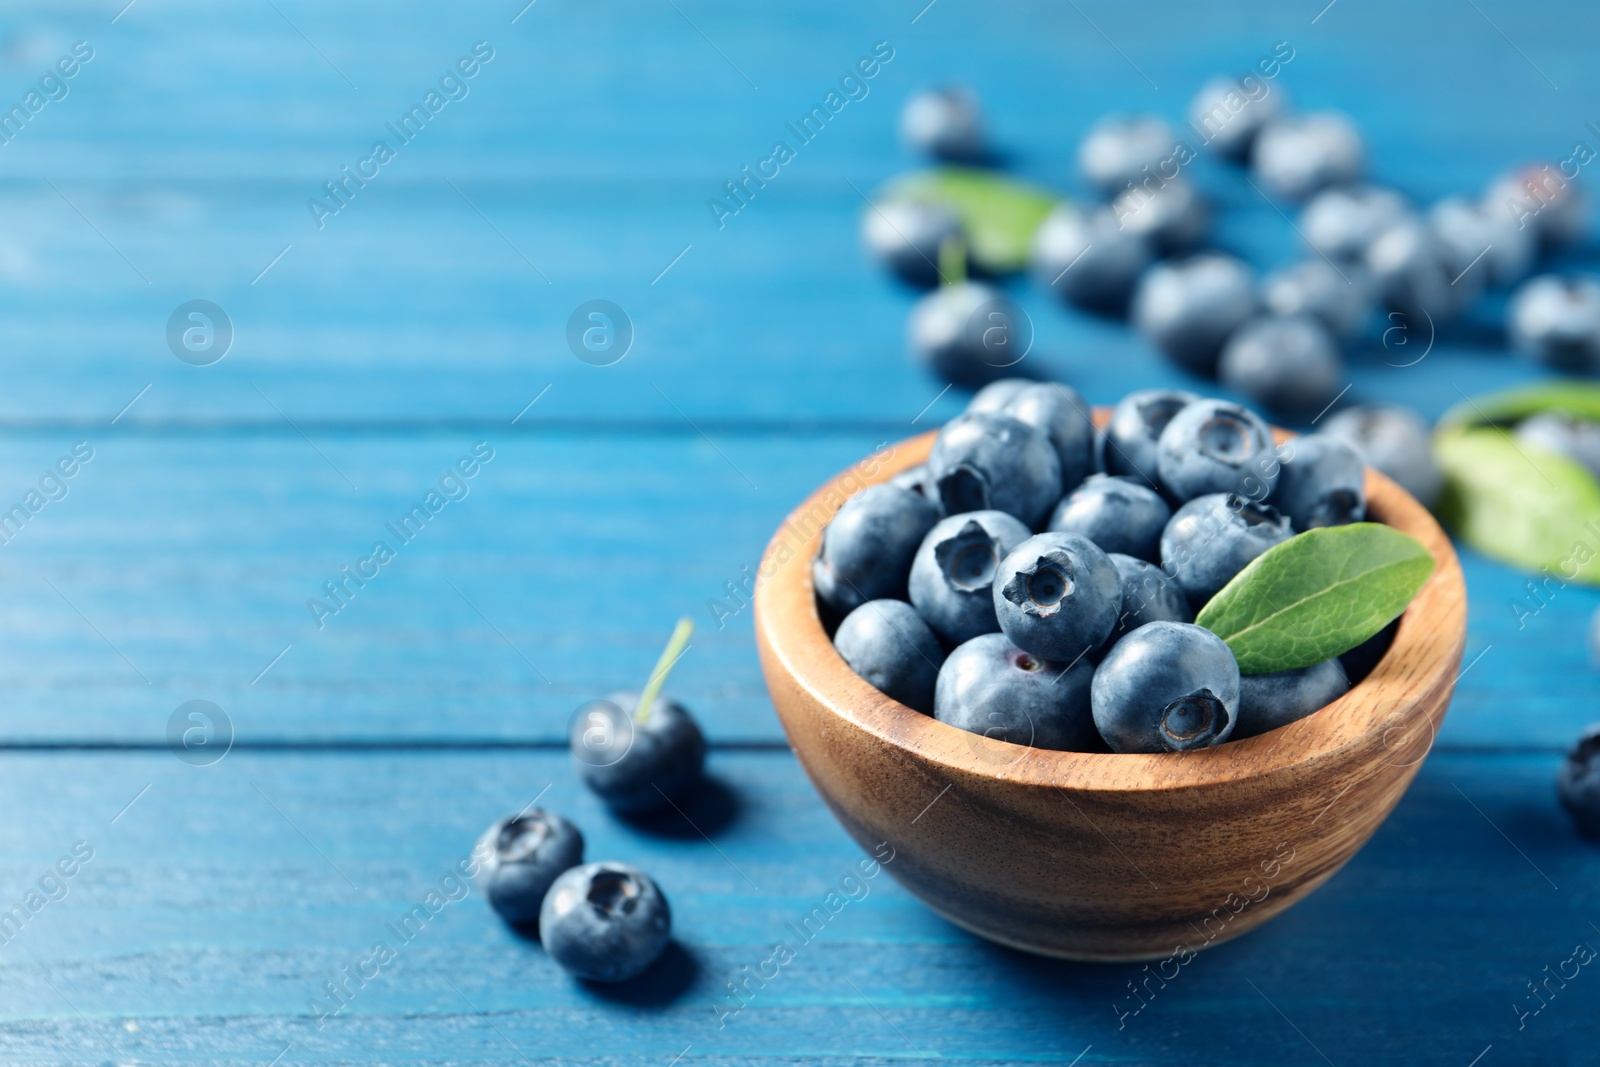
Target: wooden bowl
[[1094, 856]]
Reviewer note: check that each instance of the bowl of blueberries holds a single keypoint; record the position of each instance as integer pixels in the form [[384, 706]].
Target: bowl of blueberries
[[1118, 684]]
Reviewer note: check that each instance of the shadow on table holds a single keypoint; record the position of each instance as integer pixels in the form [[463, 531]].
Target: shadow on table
[[663, 983], [704, 813]]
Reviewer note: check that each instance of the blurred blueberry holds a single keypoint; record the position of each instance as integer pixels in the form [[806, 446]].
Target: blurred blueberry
[[1148, 595], [1338, 297], [906, 237], [1120, 149], [991, 687], [1342, 223], [1213, 446], [1564, 434], [1477, 236], [1060, 413], [945, 123], [1057, 596], [1166, 687], [606, 922], [953, 573], [1268, 701], [992, 398], [916, 480], [887, 643], [1287, 363], [1211, 538], [1536, 196], [639, 766], [1394, 440], [1322, 484], [1556, 321], [1578, 782], [1301, 154], [1118, 514], [969, 333], [982, 462], [1229, 113], [1171, 215], [1087, 258], [1127, 446], [1188, 307], [519, 857], [867, 548], [1411, 274]]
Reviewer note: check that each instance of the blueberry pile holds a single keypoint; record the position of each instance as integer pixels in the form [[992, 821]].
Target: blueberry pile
[[1036, 580]]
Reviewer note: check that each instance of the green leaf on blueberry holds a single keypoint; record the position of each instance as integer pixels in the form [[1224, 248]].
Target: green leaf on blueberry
[[998, 214], [1577, 398], [1317, 595]]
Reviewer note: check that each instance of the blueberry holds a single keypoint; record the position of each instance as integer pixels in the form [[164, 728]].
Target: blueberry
[[1556, 431], [1118, 514], [1394, 440], [1188, 307], [1556, 321], [1170, 214], [1166, 687], [1301, 154], [1127, 446], [1339, 297], [1057, 595], [991, 687], [518, 859], [1268, 701], [605, 922], [1479, 237], [1120, 149], [992, 398], [1087, 258], [1148, 595], [1212, 446], [1284, 362], [945, 123], [1060, 413], [969, 333], [1361, 660], [1411, 274], [1342, 223], [1230, 112], [888, 644], [995, 462], [1211, 538], [916, 480], [953, 574], [867, 548], [637, 766], [1324, 483], [906, 237], [1537, 197], [1578, 782]]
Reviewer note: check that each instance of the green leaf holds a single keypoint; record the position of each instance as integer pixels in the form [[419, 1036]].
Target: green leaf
[[999, 214], [1520, 504], [1316, 595], [1579, 398]]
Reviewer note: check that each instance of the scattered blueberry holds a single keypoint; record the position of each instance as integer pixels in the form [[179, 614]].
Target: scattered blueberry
[[1556, 321], [945, 123], [995, 462], [1578, 782], [1188, 307], [1268, 701], [1118, 514], [1341, 223], [1301, 154], [1561, 433], [1120, 149], [1057, 596], [1211, 538], [518, 859], [867, 548], [1339, 297], [1535, 196], [1060, 413], [606, 922], [953, 573], [1479, 237], [1212, 446], [991, 687], [1127, 447], [1411, 274], [906, 236], [1088, 258], [968, 333], [1166, 687], [1229, 116], [887, 643], [1148, 595], [637, 766], [1284, 362], [1322, 484], [1171, 214], [1394, 440]]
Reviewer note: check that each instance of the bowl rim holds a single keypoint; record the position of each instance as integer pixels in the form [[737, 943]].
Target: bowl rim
[[1389, 708]]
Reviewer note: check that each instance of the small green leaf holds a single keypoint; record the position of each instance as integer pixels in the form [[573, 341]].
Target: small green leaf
[[1518, 503], [1579, 398], [1316, 595], [999, 214]]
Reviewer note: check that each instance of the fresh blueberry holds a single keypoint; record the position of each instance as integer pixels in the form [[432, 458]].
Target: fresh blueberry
[[945, 123], [1170, 214], [1339, 297], [969, 333], [906, 237], [1188, 307], [1361, 660], [1166, 687], [1324, 483], [1536, 196], [992, 398], [637, 766], [1411, 274], [1148, 595], [1556, 321], [953, 574], [1120, 149], [1578, 782], [1127, 447], [1394, 440], [1086, 257], [867, 548], [888, 644], [1268, 701], [1301, 154], [1341, 223], [1057, 595], [991, 687], [1211, 538], [1060, 413], [1118, 514], [1287, 363], [518, 859], [605, 922], [1230, 112], [1565, 435], [1479, 237], [916, 480], [1212, 446], [995, 462]]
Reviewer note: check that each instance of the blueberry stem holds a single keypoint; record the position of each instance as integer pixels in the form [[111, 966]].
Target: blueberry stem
[[677, 645], [952, 261]]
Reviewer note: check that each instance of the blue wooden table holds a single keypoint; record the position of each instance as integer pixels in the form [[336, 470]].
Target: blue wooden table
[[162, 909]]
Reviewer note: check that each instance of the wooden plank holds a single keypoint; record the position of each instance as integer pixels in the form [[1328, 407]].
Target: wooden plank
[[217, 904]]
